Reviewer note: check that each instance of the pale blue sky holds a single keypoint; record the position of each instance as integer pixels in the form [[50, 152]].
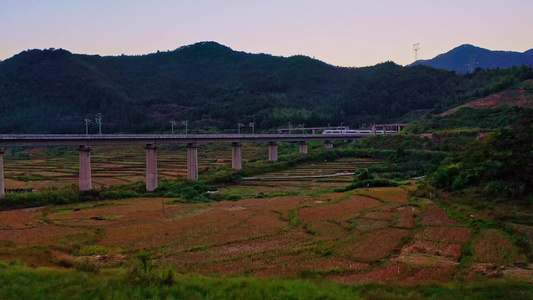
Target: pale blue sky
[[340, 32]]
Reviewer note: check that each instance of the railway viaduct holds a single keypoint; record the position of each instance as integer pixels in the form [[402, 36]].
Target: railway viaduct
[[150, 142]]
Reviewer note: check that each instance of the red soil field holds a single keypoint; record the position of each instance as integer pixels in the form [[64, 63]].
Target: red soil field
[[433, 248], [17, 219], [387, 272], [429, 275], [326, 229], [382, 215], [252, 246], [425, 260], [459, 235], [368, 224], [433, 215], [255, 236], [40, 235], [390, 194], [295, 268], [375, 245], [15, 184], [406, 216], [402, 273], [331, 211]]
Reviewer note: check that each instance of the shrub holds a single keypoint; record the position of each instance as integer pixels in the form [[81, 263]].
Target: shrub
[[87, 264]]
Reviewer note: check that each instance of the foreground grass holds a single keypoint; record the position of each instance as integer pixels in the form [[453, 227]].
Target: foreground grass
[[18, 282]]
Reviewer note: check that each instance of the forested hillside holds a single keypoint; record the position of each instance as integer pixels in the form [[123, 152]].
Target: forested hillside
[[52, 91]]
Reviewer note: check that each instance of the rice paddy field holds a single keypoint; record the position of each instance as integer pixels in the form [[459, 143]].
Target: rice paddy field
[[308, 176], [40, 169], [289, 225]]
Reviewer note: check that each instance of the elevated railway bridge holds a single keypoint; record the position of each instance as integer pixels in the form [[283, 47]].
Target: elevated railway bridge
[[150, 142]]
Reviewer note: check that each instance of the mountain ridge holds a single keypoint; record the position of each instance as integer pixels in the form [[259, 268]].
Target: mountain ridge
[[467, 58]]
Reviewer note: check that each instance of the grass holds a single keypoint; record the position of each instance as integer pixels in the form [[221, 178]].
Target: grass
[[78, 207], [18, 282], [98, 250], [294, 221], [29, 178]]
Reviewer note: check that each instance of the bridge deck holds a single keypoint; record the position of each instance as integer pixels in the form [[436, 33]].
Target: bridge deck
[[36, 140]]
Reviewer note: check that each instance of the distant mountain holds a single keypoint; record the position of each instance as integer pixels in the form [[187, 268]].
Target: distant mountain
[[466, 58], [211, 85]]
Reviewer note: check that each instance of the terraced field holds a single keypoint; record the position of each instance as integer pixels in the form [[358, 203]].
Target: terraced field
[[366, 235], [283, 226], [285, 181], [36, 169]]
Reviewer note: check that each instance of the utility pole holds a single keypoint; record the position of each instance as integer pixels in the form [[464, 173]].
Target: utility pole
[[172, 124], [252, 124], [239, 125], [416, 48], [186, 123], [302, 127], [98, 121], [87, 122]]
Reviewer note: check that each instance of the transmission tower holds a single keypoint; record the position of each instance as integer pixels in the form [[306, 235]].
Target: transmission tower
[[416, 47]]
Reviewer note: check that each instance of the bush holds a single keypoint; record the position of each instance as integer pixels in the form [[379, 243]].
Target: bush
[[146, 272], [87, 264], [361, 174]]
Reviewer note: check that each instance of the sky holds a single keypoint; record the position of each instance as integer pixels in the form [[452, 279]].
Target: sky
[[346, 33]]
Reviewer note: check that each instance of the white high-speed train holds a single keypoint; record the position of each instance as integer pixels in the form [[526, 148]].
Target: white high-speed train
[[352, 131]]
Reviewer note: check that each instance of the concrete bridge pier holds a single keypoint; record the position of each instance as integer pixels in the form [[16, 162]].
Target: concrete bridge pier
[[384, 129], [85, 168], [236, 156], [328, 144], [151, 167], [373, 129], [303, 147], [2, 184], [192, 161], [273, 151]]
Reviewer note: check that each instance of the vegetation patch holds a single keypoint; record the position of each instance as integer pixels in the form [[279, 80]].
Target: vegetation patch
[[66, 284], [499, 165], [493, 246], [98, 250]]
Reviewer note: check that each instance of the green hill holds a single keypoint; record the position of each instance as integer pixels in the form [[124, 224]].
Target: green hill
[[52, 91]]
